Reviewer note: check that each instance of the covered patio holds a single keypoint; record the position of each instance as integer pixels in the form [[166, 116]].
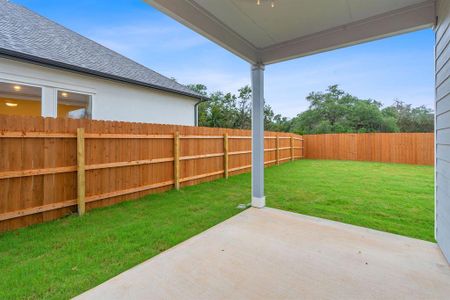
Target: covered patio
[[274, 254], [264, 253], [265, 32]]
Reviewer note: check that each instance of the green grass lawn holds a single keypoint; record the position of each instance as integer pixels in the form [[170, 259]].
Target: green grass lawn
[[63, 258], [389, 197]]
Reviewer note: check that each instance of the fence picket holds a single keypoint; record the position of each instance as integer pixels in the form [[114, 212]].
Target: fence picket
[[225, 155], [278, 150], [176, 161], [81, 176], [292, 148]]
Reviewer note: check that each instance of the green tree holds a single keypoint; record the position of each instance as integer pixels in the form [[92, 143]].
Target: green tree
[[199, 88], [332, 111], [243, 108], [410, 119], [234, 111], [219, 111], [335, 111]]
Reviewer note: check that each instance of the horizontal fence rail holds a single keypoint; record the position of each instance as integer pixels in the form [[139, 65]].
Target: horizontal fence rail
[[406, 148], [53, 167]]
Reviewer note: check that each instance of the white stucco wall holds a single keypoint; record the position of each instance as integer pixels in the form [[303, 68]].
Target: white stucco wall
[[111, 100]]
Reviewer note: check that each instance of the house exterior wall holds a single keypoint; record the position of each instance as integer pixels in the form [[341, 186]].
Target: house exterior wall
[[443, 127], [111, 99]]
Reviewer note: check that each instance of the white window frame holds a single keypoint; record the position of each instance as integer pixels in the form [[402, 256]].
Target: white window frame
[[49, 92], [16, 82], [90, 102]]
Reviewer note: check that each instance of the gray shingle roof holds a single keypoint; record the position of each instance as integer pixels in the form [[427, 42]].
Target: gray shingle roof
[[27, 35]]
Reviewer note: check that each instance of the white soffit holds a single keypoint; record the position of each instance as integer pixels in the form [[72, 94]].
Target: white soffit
[[294, 28]]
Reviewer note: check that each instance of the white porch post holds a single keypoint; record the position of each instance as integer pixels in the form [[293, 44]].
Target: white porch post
[[258, 198], [49, 102]]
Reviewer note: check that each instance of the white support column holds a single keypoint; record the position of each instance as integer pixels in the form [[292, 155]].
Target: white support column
[[258, 198], [49, 102]]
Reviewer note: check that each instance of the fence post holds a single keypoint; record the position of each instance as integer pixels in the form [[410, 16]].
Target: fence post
[[225, 155], [292, 148], [176, 160], [278, 150], [81, 174]]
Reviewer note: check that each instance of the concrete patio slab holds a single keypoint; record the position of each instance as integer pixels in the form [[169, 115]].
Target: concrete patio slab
[[272, 254]]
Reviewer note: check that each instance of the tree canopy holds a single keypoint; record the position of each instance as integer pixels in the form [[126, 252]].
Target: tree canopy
[[234, 111], [331, 111], [335, 111]]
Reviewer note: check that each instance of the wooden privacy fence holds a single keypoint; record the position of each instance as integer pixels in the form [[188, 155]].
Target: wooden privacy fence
[[53, 167], [406, 148]]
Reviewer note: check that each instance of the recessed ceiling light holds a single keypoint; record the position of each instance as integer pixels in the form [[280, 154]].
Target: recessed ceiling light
[[272, 2], [64, 94], [11, 104], [17, 87]]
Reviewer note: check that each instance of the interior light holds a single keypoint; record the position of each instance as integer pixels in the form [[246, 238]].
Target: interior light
[[17, 87], [11, 104], [64, 94], [263, 2]]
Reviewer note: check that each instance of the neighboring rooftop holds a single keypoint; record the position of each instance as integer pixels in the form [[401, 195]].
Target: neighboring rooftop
[[27, 35]]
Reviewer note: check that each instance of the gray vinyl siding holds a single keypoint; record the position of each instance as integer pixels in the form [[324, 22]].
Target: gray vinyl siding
[[443, 153], [443, 135], [442, 120], [443, 127], [443, 106], [444, 169]]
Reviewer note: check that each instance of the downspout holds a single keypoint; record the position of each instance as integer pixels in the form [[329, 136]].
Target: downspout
[[196, 110]]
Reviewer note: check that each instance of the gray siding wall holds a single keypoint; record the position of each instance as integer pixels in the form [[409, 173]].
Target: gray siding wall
[[443, 126]]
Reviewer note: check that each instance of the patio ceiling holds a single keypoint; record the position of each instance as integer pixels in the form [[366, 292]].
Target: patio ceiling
[[266, 34]]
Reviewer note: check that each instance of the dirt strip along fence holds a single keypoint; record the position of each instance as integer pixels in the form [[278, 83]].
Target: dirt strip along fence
[[54, 167], [406, 148]]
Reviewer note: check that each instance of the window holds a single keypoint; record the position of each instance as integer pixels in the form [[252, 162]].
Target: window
[[28, 100], [20, 99], [74, 105]]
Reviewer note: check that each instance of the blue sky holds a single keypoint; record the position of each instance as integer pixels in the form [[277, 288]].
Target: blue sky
[[401, 67]]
